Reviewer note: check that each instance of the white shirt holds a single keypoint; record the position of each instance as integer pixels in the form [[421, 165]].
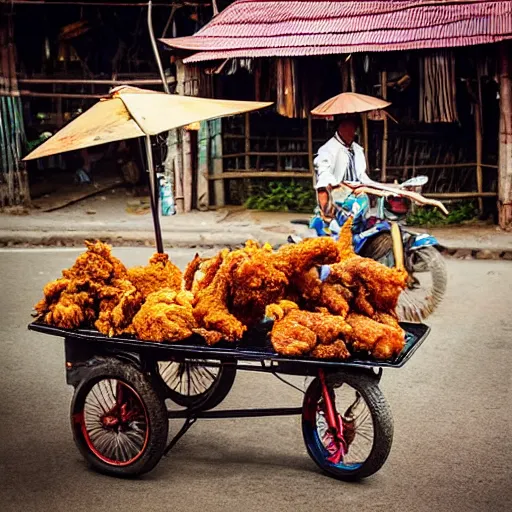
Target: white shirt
[[333, 161]]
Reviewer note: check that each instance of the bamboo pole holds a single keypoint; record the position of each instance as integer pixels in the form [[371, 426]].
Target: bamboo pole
[[505, 152], [252, 173], [478, 138], [310, 149], [218, 166], [366, 142], [384, 93], [75, 81], [459, 195], [32, 94], [247, 133], [187, 172], [439, 166], [352, 74], [265, 153]]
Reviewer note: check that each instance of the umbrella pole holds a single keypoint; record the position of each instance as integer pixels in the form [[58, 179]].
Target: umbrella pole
[[153, 196]]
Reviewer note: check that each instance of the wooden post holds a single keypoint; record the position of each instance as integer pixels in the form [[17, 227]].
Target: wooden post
[[218, 162], [352, 74], [310, 149], [478, 138], [505, 158], [384, 92], [187, 172], [247, 133], [366, 142], [203, 154]]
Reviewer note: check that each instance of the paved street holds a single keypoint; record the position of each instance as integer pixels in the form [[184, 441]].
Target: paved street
[[452, 408]]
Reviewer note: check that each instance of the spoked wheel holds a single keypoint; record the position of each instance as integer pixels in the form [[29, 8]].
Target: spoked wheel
[[196, 384], [426, 284], [119, 423], [366, 420]]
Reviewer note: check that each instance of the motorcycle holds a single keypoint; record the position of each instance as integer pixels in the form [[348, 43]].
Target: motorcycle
[[383, 237]]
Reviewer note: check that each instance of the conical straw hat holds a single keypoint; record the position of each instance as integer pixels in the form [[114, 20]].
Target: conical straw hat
[[349, 103]]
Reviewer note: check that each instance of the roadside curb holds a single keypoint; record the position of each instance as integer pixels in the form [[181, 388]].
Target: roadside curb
[[465, 253], [194, 241]]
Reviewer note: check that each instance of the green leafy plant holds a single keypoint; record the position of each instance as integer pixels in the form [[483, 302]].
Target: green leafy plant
[[428, 216], [283, 196]]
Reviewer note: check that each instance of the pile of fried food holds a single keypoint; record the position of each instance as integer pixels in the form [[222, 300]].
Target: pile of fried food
[[351, 311]]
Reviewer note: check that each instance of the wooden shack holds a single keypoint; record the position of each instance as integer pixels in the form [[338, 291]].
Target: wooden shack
[[444, 66]]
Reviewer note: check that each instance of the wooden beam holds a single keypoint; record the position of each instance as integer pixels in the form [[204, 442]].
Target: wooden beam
[[247, 133], [478, 141], [384, 94], [310, 149], [229, 175], [266, 153], [74, 81], [459, 195], [438, 166], [505, 148], [32, 94], [366, 142]]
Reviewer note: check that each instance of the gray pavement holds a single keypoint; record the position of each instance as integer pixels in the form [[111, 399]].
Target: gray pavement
[[110, 217], [451, 406]]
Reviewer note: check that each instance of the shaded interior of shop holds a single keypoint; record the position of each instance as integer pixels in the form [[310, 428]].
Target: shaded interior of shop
[[443, 121], [66, 58]]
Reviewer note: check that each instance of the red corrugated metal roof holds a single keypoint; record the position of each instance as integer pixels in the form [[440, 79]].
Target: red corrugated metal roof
[[260, 28]]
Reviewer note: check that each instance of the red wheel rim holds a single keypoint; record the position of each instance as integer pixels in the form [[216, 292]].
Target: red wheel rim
[[114, 422]]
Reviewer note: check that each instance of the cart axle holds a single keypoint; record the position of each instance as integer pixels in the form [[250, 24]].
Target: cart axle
[[237, 413], [191, 418]]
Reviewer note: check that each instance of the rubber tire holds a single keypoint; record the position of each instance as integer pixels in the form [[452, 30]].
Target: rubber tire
[[158, 422], [381, 416], [210, 398], [378, 247], [381, 245]]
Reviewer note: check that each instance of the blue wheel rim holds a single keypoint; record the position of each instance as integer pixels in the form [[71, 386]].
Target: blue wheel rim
[[317, 448]]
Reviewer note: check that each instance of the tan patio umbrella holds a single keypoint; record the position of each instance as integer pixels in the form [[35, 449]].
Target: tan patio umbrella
[[130, 112], [349, 103]]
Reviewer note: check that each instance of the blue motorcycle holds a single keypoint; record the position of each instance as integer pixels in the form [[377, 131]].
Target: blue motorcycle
[[378, 235]]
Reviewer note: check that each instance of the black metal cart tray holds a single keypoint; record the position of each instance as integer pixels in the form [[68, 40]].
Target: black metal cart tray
[[255, 346]]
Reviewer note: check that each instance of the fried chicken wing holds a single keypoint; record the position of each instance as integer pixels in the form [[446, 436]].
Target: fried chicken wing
[[158, 274], [295, 259], [293, 330], [380, 340], [336, 350], [96, 264], [118, 305], [318, 294], [254, 284], [211, 303], [70, 311], [165, 316], [375, 286], [190, 272]]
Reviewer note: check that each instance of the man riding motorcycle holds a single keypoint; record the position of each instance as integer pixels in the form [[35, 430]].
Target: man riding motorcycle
[[342, 185], [339, 160]]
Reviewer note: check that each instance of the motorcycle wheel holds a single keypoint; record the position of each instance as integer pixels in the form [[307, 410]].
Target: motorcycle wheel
[[426, 284]]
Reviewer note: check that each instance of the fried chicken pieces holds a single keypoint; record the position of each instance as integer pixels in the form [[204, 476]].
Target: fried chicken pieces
[[220, 298], [234, 288], [297, 332], [159, 274], [98, 290], [166, 315], [76, 299]]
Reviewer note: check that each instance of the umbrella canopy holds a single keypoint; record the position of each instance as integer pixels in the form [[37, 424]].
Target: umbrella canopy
[[349, 103], [130, 112]]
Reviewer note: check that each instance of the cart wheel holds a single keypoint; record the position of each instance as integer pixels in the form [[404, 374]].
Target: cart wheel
[[119, 422], [194, 384], [367, 425]]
